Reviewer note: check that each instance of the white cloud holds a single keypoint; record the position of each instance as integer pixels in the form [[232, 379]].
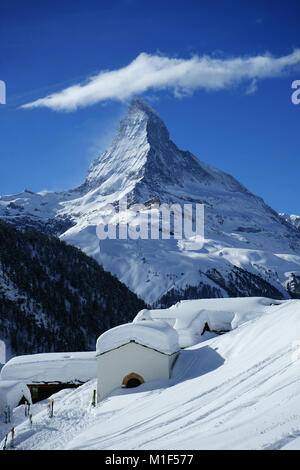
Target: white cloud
[[182, 76]]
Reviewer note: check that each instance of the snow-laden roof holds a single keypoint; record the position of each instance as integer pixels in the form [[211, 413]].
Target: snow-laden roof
[[188, 317], [158, 335], [11, 393], [69, 367]]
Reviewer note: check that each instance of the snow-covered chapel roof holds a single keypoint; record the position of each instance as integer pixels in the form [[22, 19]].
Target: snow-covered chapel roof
[[158, 335], [68, 367]]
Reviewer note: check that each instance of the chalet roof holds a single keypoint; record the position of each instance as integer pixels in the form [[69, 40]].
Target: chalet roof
[[156, 335], [69, 367], [11, 392]]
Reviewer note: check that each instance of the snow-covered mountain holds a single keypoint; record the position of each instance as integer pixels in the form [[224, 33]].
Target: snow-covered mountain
[[248, 250]]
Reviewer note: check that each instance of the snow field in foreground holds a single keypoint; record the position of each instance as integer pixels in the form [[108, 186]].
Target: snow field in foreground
[[236, 391]]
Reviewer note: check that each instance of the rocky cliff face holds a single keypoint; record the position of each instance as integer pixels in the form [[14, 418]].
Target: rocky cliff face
[[292, 219]]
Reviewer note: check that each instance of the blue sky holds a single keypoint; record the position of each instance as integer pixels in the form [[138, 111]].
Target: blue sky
[[247, 127]]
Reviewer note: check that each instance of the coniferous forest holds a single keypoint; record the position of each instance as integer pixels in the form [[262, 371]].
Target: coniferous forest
[[53, 297]]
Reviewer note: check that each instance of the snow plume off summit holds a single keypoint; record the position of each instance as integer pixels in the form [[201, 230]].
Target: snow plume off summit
[[248, 249]]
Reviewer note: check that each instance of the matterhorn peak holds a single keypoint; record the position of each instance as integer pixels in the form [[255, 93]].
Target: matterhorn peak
[[139, 105], [142, 157], [243, 236], [141, 130], [140, 111]]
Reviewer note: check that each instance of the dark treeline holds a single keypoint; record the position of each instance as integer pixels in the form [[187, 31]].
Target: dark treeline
[[53, 297]]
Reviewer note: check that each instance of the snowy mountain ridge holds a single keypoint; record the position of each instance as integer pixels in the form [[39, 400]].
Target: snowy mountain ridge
[[249, 249], [291, 218]]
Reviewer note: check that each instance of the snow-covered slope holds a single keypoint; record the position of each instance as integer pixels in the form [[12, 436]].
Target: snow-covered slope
[[249, 249], [235, 391]]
